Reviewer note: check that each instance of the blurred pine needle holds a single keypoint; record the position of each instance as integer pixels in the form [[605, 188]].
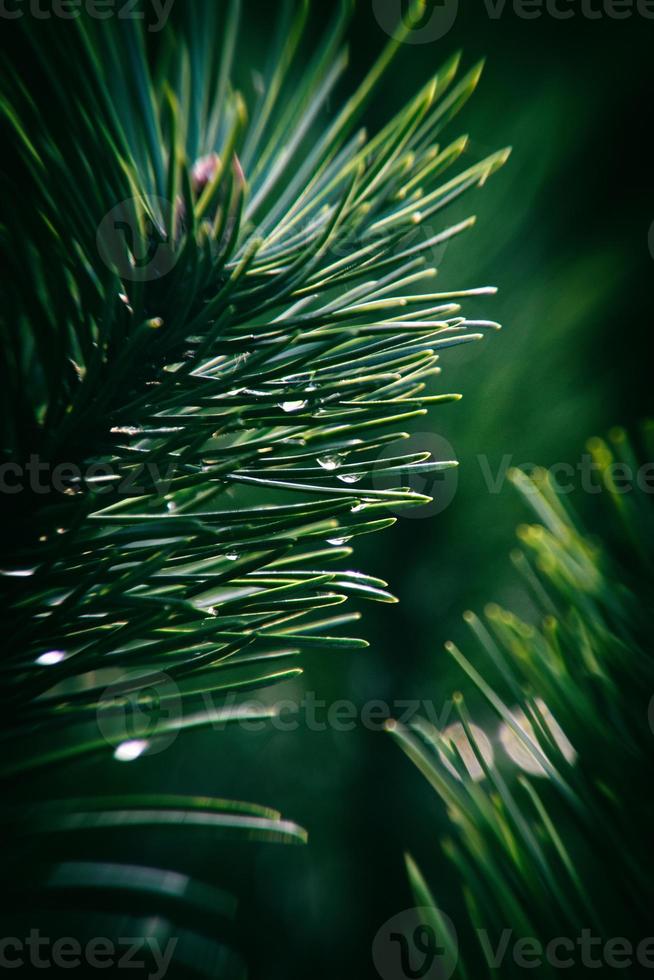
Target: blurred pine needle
[[551, 818]]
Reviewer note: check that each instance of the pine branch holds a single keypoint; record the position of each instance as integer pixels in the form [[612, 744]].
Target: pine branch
[[549, 842], [213, 322]]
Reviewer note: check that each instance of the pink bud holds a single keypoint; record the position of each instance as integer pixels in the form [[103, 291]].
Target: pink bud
[[203, 172]]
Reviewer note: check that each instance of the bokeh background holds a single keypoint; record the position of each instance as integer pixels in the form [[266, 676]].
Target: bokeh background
[[562, 230]]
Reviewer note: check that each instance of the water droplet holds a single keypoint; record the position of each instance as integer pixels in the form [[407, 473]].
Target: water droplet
[[51, 658], [231, 555], [351, 477], [128, 751], [337, 542], [171, 506], [331, 461], [357, 508], [293, 406]]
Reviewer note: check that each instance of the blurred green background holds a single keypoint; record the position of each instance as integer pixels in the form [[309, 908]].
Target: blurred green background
[[563, 232]]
